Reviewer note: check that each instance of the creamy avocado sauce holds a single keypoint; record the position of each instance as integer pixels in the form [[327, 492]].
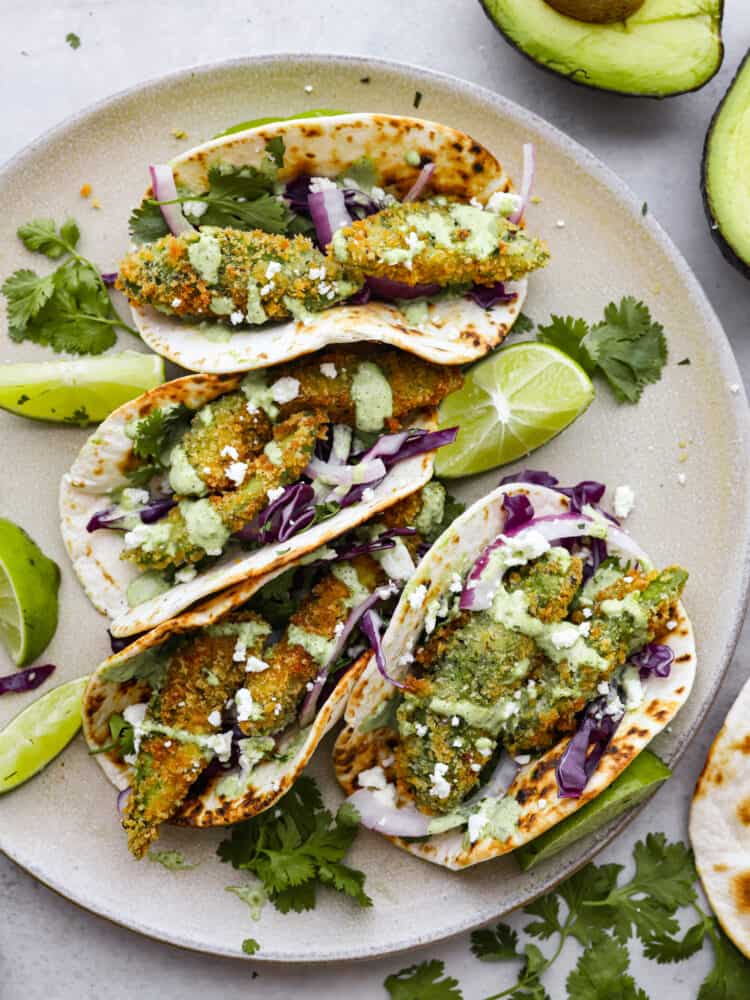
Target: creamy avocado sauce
[[204, 526], [254, 312], [221, 305], [316, 645], [373, 399], [416, 311], [432, 511], [274, 454], [183, 478], [297, 309], [258, 394], [205, 256], [347, 574], [252, 751], [250, 633]]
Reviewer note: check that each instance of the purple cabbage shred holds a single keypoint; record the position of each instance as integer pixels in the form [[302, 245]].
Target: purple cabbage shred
[[654, 660], [487, 296], [518, 511], [25, 680], [584, 751]]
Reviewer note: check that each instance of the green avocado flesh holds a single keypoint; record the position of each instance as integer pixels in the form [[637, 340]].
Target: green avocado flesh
[[635, 783], [726, 184], [667, 47]]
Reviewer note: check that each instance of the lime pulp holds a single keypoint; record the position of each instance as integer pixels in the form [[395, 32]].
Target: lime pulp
[[29, 582]]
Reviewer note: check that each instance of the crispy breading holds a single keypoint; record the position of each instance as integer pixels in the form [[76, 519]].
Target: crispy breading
[[225, 424]]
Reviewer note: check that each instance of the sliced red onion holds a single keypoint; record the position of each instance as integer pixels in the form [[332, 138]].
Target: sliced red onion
[[385, 540], [122, 800], [113, 518], [385, 447], [584, 751], [346, 475], [371, 623], [518, 511], [499, 781], [25, 680], [328, 212], [384, 288], [419, 442], [487, 296], [553, 527], [110, 518], [406, 821], [342, 444], [156, 509], [527, 181], [310, 703], [109, 278], [654, 660], [165, 191], [425, 174]]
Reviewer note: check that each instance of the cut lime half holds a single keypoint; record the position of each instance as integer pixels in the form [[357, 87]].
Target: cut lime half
[[510, 404], [638, 780], [28, 594], [36, 736], [83, 391]]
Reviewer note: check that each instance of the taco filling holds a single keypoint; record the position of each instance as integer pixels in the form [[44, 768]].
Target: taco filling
[[546, 635], [244, 691], [258, 465], [329, 241]]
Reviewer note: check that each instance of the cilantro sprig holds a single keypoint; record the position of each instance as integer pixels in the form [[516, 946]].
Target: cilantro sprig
[[68, 310], [628, 348], [602, 914], [297, 846]]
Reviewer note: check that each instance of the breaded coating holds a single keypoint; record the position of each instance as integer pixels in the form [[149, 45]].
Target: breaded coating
[[414, 383], [280, 690], [550, 584], [243, 278], [446, 244], [202, 674], [223, 432], [168, 543]]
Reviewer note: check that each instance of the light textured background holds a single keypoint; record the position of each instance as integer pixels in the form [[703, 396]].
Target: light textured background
[[48, 947]]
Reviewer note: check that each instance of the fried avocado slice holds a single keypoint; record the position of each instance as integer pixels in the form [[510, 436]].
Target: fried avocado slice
[[199, 528], [625, 617], [221, 432], [413, 384], [450, 244], [202, 674], [307, 642], [243, 278], [550, 584]]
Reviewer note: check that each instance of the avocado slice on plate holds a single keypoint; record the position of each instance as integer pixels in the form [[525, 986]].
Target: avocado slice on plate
[[725, 182], [664, 47], [639, 779]]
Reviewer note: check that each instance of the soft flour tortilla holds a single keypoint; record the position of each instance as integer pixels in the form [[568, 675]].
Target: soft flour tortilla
[[99, 468], [458, 330], [720, 823], [535, 786], [270, 780]]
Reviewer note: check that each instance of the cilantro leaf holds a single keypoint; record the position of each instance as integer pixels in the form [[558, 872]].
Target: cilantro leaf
[[152, 432], [73, 40], [548, 910], [731, 972], [601, 974], [250, 946], [425, 981], [566, 334], [628, 347], [591, 885], [26, 293], [666, 949], [523, 323], [146, 223], [275, 149], [41, 236], [296, 846], [496, 944]]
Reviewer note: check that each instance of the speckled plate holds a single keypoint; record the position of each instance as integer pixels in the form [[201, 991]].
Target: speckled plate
[[63, 826]]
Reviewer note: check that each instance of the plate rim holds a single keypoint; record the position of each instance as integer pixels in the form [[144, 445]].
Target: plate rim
[[726, 359]]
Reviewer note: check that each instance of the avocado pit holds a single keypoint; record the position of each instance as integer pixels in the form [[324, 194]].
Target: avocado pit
[[597, 11]]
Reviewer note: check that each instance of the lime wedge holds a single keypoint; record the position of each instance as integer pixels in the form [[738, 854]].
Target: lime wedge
[[510, 404], [636, 782], [36, 736], [83, 391], [255, 122], [28, 594]]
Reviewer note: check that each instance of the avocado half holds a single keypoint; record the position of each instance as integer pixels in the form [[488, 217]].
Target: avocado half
[[725, 183], [667, 47]]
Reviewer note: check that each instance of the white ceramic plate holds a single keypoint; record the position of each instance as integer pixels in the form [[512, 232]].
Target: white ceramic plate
[[63, 826]]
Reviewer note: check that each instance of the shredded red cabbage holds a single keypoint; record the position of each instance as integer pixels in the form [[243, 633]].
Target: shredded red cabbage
[[383, 541], [113, 518], [371, 623], [488, 296], [655, 660], [358, 202], [25, 680], [292, 511], [518, 511], [385, 288], [118, 643], [586, 492], [109, 278], [584, 751], [157, 508], [536, 477]]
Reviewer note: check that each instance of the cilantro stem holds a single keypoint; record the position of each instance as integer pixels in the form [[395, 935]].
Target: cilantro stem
[[118, 320], [525, 981]]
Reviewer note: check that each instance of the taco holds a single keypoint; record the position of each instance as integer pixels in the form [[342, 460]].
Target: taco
[[209, 480], [211, 716], [531, 657], [720, 824], [270, 243]]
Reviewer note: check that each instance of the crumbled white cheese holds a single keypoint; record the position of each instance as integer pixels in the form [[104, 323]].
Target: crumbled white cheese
[[417, 596], [420, 729], [214, 718], [246, 707], [522, 758], [374, 777], [603, 687], [194, 208], [564, 636], [237, 471], [368, 494], [329, 369], [440, 788], [236, 317], [671, 625], [476, 768], [475, 825], [284, 390], [229, 451], [455, 721], [457, 584], [320, 184], [273, 269], [135, 714], [267, 288], [587, 612], [186, 574], [254, 665], [275, 493], [542, 804], [176, 303], [584, 629], [624, 500]]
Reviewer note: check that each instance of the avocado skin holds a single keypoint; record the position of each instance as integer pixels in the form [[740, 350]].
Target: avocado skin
[[574, 77], [728, 252]]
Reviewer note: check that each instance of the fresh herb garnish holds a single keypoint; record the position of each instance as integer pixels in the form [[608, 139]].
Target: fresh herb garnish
[[172, 860], [73, 40], [152, 432], [68, 310], [122, 737], [423, 982], [296, 846], [601, 914], [644, 208], [417, 98], [628, 348], [523, 324], [250, 946], [237, 198]]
